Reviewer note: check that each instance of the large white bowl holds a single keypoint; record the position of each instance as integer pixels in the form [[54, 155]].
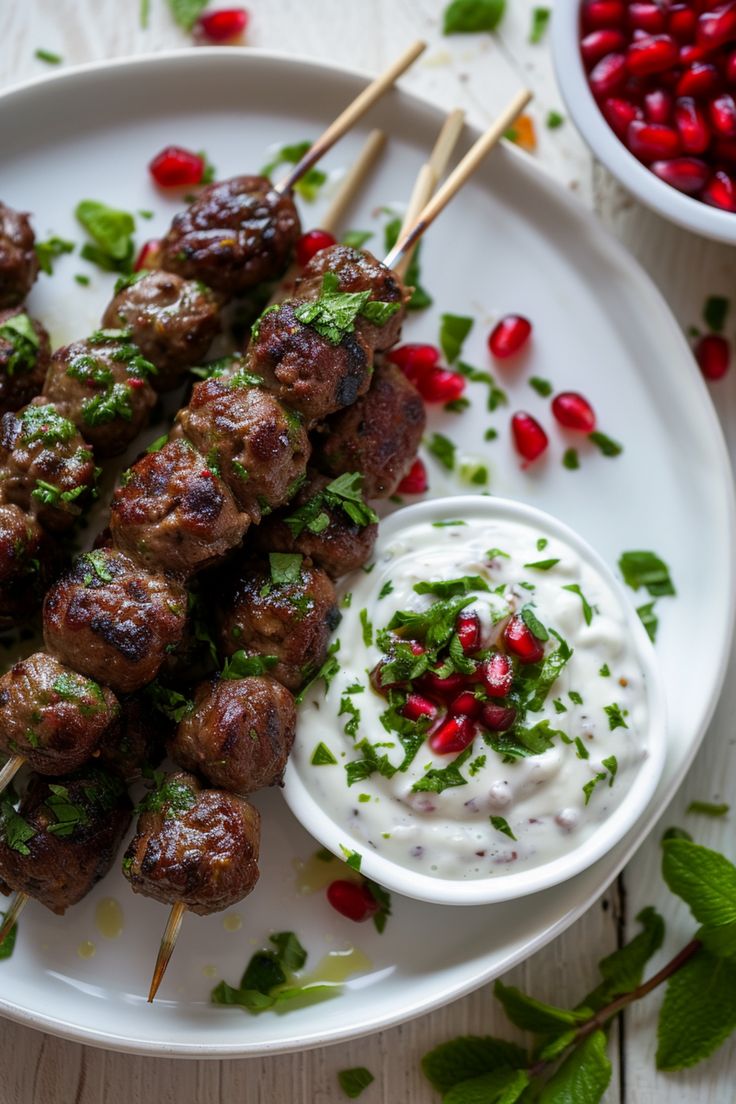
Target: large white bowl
[[306, 806], [662, 198]]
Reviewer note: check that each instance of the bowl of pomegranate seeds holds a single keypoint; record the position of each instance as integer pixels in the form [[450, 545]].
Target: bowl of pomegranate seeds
[[651, 84], [490, 721]]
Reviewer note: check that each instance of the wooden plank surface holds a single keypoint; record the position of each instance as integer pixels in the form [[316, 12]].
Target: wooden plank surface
[[477, 73]]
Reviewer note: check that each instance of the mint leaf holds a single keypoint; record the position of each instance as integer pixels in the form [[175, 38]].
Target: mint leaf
[[449, 588], [468, 1057], [715, 311], [8, 944], [502, 1086], [472, 16], [186, 12], [533, 1015], [588, 610], [454, 328], [322, 757], [443, 449], [438, 779], [354, 1081], [704, 879], [540, 21], [583, 1077], [606, 444], [623, 970], [111, 231], [502, 825], [699, 1010], [707, 808], [649, 620], [646, 569], [291, 954]]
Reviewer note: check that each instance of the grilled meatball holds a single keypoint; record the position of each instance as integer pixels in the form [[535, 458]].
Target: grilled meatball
[[379, 435], [45, 465], [194, 847], [52, 716], [18, 260], [359, 271], [318, 526], [172, 321], [112, 620], [135, 740], [306, 370], [173, 513], [103, 382], [289, 620], [24, 358], [27, 563], [237, 233], [239, 734], [64, 837], [258, 446]]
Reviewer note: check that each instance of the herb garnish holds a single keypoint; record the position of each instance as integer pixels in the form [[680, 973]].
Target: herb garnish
[[48, 56], [268, 979], [648, 570], [111, 230], [326, 672], [240, 665], [472, 16], [354, 1081], [333, 315], [715, 312], [186, 12], [343, 493], [606, 444], [443, 449], [171, 797], [502, 825], [543, 387], [707, 808], [47, 251], [540, 21], [18, 331], [309, 185], [588, 610], [322, 757], [420, 297], [454, 328], [437, 779]]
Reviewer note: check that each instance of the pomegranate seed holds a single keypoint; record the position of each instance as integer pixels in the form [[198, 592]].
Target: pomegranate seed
[[658, 106], [415, 481], [603, 13], [720, 191], [497, 675], [416, 647], [652, 54], [730, 68], [175, 167], [529, 437], [444, 688], [649, 17], [352, 899], [699, 79], [724, 149], [520, 640], [440, 385], [465, 704], [509, 335], [417, 706], [619, 113], [414, 360], [224, 25], [136, 383], [599, 43], [497, 718], [691, 125], [573, 411], [608, 75], [713, 354], [722, 111], [311, 243], [687, 174], [652, 141], [718, 26], [681, 22], [454, 734], [467, 627], [148, 255]]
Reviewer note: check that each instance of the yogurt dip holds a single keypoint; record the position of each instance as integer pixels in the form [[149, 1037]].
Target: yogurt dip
[[486, 709]]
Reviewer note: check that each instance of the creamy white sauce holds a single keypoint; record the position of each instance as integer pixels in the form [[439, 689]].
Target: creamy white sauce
[[541, 797]]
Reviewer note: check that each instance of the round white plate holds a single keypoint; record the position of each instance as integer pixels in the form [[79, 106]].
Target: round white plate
[[513, 242]]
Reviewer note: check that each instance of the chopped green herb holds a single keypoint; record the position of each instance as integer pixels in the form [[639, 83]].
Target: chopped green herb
[[502, 825], [494, 553], [420, 298], [322, 757], [715, 312], [575, 697], [111, 231], [326, 672], [356, 239], [582, 751], [386, 589], [706, 808], [47, 56], [286, 568], [542, 565], [474, 473], [240, 665], [354, 1081], [18, 332], [533, 623], [82, 280], [611, 765], [615, 716], [449, 588], [490, 434], [454, 328], [542, 386], [171, 703], [554, 120], [352, 858], [15, 830], [367, 627], [540, 21], [447, 524], [605, 671], [648, 570], [607, 445], [443, 449], [48, 250], [472, 16], [649, 620], [588, 610], [435, 780], [186, 12], [571, 460], [590, 786], [171, 797], [334, 313], [8, 944], [312, 180]]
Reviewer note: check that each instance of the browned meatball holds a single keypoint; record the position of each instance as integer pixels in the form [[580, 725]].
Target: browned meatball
[[103, 382], [237, 233], [28, 559], [64, 837], [258, 446], [172, 321], [173, 513], [24, 358], [379, 435], [52, 716], [135, 740], [291, 620], [239, 734], [18, 260], [321, 523], [112, 620], [194, 847], [47, 467], [306, 370]]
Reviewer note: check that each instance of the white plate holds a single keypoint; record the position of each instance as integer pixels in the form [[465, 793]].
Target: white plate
[[514, 241]]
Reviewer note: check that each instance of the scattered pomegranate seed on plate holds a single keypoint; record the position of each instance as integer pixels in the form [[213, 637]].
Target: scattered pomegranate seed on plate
[[175, 167], [713, 354], [440, 385], [311, 243], [223, 25], [573, 411], [529, 437], [415, 481], [509, 336], [352, 899]]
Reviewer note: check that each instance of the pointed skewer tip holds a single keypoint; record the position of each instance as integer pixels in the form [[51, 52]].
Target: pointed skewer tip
[[17, 905], [165, 951]]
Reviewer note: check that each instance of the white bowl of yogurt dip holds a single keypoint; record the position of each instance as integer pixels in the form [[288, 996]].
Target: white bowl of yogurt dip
[[492, 721]]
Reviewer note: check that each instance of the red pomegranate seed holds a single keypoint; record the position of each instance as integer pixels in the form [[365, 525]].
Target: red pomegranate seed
[[509, 336], [720, 191], [699, 79], [652, 141], [417, 706], [730, 68], [658, 106], [687, 174], [497, 718], [681, 22], [713, 354], [529, 437], [521, 640], [440, 385], [603, 13], [652, 54], [718, 26], [175, 167], [445, 688], [649, 17], [619, 113], [414, 360], [691, 125], [148, 255], [467, 627], [311, 243], [454, 734], [599, 43], [573, 411], [135, 383], [497, 675], [415, 481], [352, 899], [722, 112], [608, 75], [465, 704], [224, 25], [724, 149]]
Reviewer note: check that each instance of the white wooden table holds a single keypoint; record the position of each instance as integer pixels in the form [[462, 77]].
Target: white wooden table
[[476, 73]]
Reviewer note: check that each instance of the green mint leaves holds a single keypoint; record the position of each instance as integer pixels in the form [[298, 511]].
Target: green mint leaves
[[333, 315], [472, 16], [111, 231]]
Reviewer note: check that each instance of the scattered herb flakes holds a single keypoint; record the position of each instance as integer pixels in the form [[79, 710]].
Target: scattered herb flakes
[[386, 589], [707, 808], [443, 449], [542, 565], [588, 788], [543, 387], [554, 120], [420, 297], [533, 623], [715, 312], [333, 314], [588, 610], [540, 22], [450, 588], [352, 858], [309, 185], [454, 328], [171, 797], [496, 395], [81, 279], [571, 460], [542, 543], [611, 765], [575, 697], [605, 671], [490, 434], [186, 12], [322, 757], [111, 231], [606, 444], [48, 56], [15, 830], [241, 665], [326, 672], [8, 944], [472, 16], [581, 750], [354, 1081], [435, 780], [356, 239], [474, 473], [649, 620], [285, 567], [502, 825], [47, 251], [447, 524], [494, 553], [366, 627], [646, 569], [615, 716]]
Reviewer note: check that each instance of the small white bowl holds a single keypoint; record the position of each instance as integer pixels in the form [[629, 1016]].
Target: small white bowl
[[663, 198], [502, 887]]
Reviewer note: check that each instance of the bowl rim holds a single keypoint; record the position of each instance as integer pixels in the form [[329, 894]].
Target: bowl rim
[[504, 887], [675, 206]]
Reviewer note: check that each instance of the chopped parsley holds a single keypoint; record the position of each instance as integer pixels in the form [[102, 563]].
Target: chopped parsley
[[472, 16], [575, 697], [322, 757], [540, 22], [496, 395], [48, 56], [615, 716], [171, 797], [707, 808], [542, 565], [19, 333], [449, 588], [285, 568], [571, 460], [606, 444], [352, 858], [16, 831], [646, 569], [543, 387], [454, 328], [171, 703], [649, 620], [111, 231], [310, 184], [240, 665], [502, 825], [354, 1081], [344, 493], [386, 589], [437, 779], [334, 314], [443, 449], [554, 120], [581, 750], [69, 816], [326, 672], [533, 623], [605, 671], [588, 610], [367, 627], [47, 251]]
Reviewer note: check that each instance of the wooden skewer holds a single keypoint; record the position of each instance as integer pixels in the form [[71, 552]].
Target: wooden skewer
[[166, 949], [349, 117], [459, 176], [17, 905], [10, 769], [353, 180]]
